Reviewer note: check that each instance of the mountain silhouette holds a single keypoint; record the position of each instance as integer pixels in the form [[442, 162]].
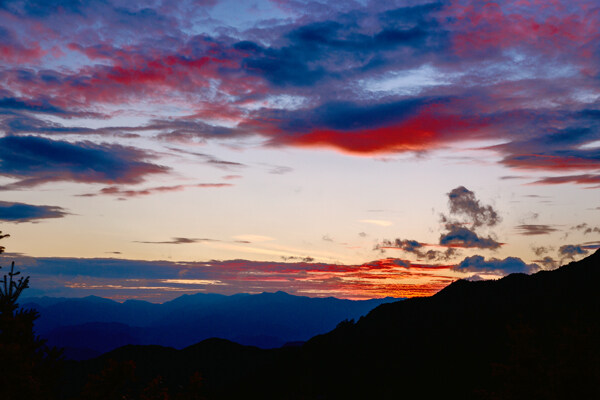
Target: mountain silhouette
[[520, 337], [92, 325]]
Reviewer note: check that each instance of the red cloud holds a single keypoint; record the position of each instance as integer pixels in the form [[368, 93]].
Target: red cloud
[[427, 129], [380, 278], [20, 54], [546, 26]]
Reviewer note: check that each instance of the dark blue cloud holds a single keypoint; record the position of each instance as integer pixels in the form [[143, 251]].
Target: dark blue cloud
[[21, 212], [98, 268], [509, 265], [42, 8], [460, 236], [42, 106], [17, 123], [282, 67], [35, 160], [329, 49], [550, 140], [569, 251], [348, 116]]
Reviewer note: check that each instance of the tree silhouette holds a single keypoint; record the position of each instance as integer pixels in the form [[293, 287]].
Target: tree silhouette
[[2, 237], [28, 368]]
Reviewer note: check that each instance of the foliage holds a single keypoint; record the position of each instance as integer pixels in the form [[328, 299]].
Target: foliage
[[29, 369], [2, 237]]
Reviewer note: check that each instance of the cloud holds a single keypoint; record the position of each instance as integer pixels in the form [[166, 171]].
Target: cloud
[[158, 280], [315, 51], [306, 259], [509, 265], [569, 251], [21, 212], [534, 229], [36, 106], [436, 255], [35, 161], [540, 250], [378, 222], [15, 51], [463, 202], [460, 236], [414, 247], [410, 246], [458, 233], [341, 60], [586, 229], [124, 193], [179, 240], [548, 263], [250, 238], [462, 232], [280, 170], [407, 126], [584, 179]]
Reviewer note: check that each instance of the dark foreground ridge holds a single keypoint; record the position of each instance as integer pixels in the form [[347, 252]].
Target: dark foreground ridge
[[521, 337]]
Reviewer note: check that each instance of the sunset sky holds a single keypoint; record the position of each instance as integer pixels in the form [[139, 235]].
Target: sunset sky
[[353, 149]]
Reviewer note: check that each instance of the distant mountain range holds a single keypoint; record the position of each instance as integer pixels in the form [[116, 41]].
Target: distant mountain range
[[521, 337], [87, 327]]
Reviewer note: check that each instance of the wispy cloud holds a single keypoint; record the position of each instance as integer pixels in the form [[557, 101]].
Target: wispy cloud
[[124, 193], [179, 240], [535, 229], [251, 238]]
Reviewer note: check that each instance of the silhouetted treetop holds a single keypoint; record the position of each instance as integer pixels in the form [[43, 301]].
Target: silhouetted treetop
[[2, 236]]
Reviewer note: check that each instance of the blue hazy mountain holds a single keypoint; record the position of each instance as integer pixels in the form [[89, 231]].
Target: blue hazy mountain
[[92, 325]]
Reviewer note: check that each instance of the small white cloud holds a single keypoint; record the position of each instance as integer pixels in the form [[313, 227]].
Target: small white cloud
[[253, 238], [379, 222], [194, 281], [408, 82]]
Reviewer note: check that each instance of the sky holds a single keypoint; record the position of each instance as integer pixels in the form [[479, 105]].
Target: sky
[[354, 149]]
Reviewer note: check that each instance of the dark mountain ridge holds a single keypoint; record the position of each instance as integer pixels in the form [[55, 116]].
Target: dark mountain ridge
[[520, 337]]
